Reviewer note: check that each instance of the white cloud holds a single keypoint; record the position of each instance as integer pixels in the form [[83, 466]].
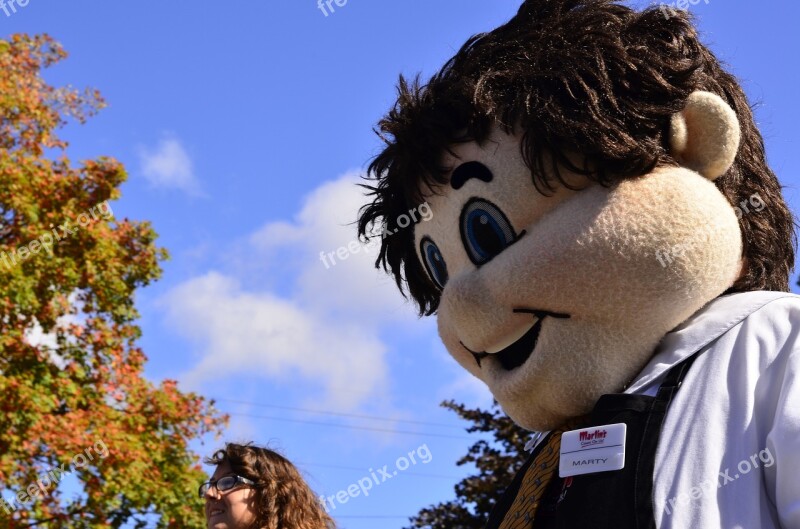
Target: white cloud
[[324, 326], [259, 333], [48, 342], [169, 166], [351, 287]]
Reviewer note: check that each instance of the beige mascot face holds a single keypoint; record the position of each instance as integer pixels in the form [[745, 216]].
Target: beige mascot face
[[556, 300]]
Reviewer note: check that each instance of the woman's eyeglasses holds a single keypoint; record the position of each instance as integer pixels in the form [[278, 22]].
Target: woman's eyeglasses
[[224, 484]]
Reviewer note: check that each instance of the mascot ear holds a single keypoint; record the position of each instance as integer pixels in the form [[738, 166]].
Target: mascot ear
[[704, 136]]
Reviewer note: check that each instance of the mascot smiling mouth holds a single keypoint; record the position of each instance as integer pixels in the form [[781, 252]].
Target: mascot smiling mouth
[[516, 354]]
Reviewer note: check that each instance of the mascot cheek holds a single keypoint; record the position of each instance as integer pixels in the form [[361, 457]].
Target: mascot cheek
[[666, 242], [628, 264]]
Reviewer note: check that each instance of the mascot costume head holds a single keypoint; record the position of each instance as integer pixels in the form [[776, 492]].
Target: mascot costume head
[[593, 175]]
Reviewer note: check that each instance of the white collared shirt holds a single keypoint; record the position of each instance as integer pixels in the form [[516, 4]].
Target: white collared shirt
[[729, 451]]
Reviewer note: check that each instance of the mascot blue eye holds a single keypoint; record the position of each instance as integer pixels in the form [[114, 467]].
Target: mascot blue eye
[[485, 231], [434, 262]]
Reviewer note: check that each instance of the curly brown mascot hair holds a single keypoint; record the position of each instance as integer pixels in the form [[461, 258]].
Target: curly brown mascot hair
[[283, 499], [574, 76]]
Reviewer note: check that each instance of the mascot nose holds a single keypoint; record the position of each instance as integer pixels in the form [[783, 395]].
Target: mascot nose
[[469, 308]]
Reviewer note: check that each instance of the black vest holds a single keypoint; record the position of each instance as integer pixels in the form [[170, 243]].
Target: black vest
[[619, 499]]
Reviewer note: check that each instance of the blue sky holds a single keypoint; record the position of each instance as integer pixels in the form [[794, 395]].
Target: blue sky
[[243, 127]]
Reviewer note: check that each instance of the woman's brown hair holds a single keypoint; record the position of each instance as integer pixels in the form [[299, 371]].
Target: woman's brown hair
[[574, 76], [283, 500]]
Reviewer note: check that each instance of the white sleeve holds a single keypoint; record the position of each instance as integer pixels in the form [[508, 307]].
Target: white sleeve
[[783, 440]]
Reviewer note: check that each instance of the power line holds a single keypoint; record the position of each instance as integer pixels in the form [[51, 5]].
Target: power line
[[341, 414], [366, 428], [376, 517]]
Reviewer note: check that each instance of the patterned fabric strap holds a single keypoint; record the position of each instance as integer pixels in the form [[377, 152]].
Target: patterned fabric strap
[[537, 478]]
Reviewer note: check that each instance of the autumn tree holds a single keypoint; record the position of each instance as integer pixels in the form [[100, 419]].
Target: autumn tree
[[496, 459], [71, 375]]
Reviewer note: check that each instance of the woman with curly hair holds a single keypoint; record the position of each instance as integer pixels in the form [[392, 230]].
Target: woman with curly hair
[[256, 488]]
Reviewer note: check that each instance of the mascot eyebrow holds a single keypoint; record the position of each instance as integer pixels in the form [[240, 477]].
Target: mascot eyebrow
[[469, 170]]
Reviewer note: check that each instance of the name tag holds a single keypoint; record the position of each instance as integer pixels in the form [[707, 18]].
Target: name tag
[[595, 449]]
